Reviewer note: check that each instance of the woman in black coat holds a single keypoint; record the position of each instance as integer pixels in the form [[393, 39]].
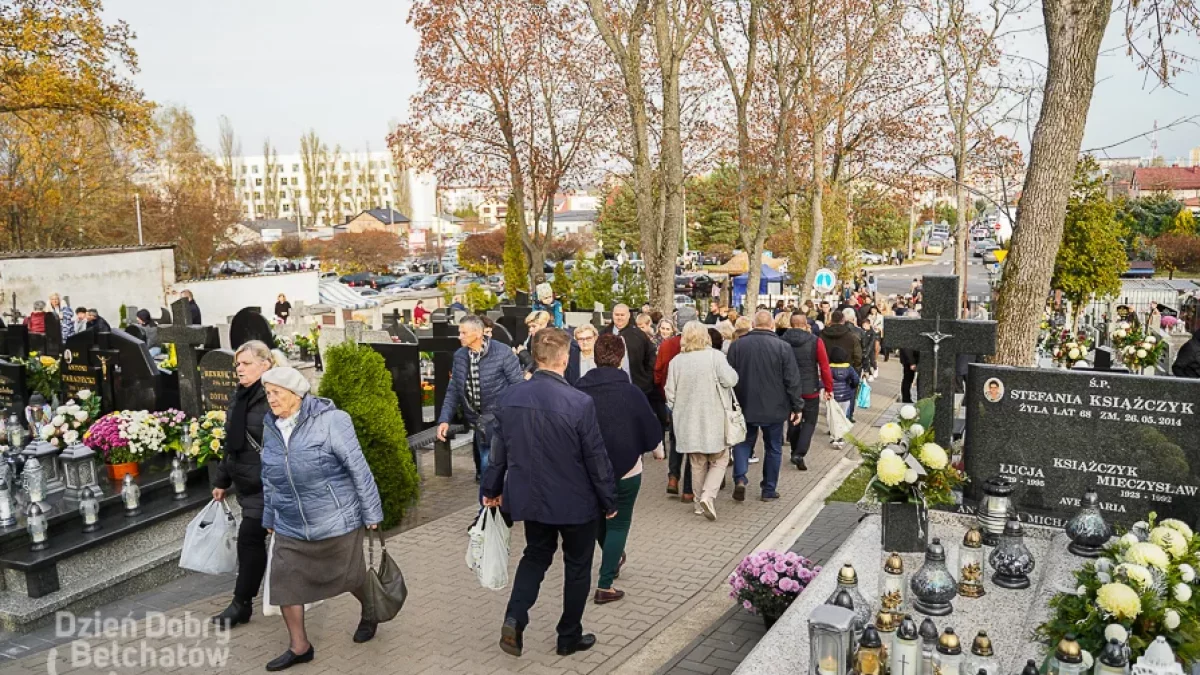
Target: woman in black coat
[[630, 429], [241, 469]]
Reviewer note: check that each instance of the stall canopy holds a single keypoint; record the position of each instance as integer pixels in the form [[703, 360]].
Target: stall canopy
[[769, 275]]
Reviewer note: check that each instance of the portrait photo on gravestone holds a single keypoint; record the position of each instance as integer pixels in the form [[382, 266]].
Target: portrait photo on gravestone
[[1059, 433]]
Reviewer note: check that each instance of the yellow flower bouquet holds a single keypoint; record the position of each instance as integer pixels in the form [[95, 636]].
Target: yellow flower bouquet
[[208, 437]]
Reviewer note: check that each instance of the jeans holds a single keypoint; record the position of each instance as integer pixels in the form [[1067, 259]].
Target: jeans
[[252, 558], [772, 455], [541, 541], [481, 448], [612, 534], [801, 436]]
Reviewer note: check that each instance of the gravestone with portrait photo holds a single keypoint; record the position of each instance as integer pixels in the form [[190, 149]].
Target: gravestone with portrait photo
[[1059, 433]]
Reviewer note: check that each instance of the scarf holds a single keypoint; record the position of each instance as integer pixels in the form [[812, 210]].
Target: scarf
[[235, 423]]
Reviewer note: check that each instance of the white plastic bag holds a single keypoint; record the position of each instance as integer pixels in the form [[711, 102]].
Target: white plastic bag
[[267, 607], [210, 544], [487, 549], [839, 425]]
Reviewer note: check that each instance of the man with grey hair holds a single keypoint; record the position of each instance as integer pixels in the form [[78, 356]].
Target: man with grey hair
[[768, 390], [480, 376], [638, 349]]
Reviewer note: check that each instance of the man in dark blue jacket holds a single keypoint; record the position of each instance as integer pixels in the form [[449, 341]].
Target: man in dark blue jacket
[[550, 465], [481, 374]]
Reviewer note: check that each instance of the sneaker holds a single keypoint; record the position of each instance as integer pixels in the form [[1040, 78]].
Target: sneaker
[[753, 460], [706, 506]]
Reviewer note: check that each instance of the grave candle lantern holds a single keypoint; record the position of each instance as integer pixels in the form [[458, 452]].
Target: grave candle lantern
[[89, 507], [79, 470], [1158, 660], [933, 587], [970, 565], [8, 516], [845, 601], [1087, 529], [868, 660], [904, 656], [891, 587], [37, 529], [1112, 660], [1031, 668], [130, 494], [830, 630], [982, 660], [1012, 560], [929, 639], [178, 480], [1068, 657], [948, 658], [33, 481], [885, 624], [993, 508], [848, 583]]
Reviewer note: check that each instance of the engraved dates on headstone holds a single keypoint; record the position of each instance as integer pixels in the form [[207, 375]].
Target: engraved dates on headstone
[[218, 379], [12, 387]]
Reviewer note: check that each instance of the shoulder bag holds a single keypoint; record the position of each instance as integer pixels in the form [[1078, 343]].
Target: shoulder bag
[[385, 591], [735, 422]]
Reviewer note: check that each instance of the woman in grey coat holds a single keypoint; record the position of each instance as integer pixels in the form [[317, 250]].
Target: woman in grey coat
[[318, 495], [699, 389]]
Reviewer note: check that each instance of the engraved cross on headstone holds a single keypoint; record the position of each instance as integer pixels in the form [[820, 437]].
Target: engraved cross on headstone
[[939, 336], [14, 315], [186, 336]]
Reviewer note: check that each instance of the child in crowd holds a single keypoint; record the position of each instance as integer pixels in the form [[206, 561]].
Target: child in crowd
[[845, 383]]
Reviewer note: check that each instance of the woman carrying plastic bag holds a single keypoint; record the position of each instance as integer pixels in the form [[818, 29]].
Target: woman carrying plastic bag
[[209, 545]]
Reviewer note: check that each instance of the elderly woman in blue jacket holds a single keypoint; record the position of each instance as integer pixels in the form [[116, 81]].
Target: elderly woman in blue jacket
[[318, 495]]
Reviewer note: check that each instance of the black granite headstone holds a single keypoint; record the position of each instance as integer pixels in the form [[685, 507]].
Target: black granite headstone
[[403, 362], [501, 334], [135, 378], [53, 342], [218, 379], [186, 337], [403, 333], [136, 331], [76, 369], [13, 394], [249, 324], [514, 320], [940, 336], [1059, 433], [16, 338]]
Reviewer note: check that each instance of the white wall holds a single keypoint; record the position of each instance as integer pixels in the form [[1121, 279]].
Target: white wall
[[221, 298], [100, 278]]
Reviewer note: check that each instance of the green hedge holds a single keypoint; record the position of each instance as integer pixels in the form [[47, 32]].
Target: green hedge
[[357, 381]]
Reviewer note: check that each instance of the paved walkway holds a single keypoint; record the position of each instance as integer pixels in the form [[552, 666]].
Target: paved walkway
[[450, 624]]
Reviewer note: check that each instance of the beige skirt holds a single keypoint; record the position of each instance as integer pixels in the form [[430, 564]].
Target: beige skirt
[[308, 571]]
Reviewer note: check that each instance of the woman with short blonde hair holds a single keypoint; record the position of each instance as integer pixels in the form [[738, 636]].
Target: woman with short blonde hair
[[783, 322], [699, 389], [726, 330]]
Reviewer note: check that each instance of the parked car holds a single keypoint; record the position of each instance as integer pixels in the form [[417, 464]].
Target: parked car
[[407, 280], [694, 285], [233, 267], [990, 257], [984, 246], [430, 281], [869, 258], [462, 284], [395, 289], [383, 281], [275, 265], [367, 292], [684, 301], [935, 247], [358, 279]]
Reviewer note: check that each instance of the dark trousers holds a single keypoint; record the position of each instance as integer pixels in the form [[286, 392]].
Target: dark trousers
[[800, 436], [252, 558], [613, 533], [541, 542], [906, 385], [678, 466]]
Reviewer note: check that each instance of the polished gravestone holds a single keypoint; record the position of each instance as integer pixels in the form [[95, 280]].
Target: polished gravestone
[[249, 324], [1059, 433], [13, 393], [940, 336], [116, 365], [218, 379], [186, 337]]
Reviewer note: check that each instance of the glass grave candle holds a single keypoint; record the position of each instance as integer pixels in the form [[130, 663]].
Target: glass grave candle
[[8, 510], [904, 656], [982, 658], [970, 565], [178, 480], [1087, 529], [1012, 560], [891, 587], [947, 659], [932, 586], [929, 640], [1068, 658], [848, 583], [38, 529], [89, 508], [1112, 660], [868, 660], [830, 635], [131, 495], [886, 624], [993, 508]]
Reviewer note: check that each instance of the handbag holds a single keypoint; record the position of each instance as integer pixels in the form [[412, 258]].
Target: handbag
[[735, 422], [864, 395], [386, 591]]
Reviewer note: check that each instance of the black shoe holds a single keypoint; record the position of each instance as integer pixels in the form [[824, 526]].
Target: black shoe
[[739, 492], [365, 631], [289, 658], [799, 462], [237, 612], [770, 496], [584, 643], [511, 637]]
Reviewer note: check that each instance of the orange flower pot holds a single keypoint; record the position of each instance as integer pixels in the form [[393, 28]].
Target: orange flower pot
[[117, 472]]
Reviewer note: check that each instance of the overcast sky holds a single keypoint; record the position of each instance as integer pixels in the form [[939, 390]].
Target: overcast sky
[[277, 68]]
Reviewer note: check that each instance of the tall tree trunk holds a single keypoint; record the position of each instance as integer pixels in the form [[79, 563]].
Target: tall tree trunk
[[1074, 29], [818, 214], [660, 271], [960, 223]]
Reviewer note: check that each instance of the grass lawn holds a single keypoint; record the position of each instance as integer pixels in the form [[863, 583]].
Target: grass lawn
[[851, 490]]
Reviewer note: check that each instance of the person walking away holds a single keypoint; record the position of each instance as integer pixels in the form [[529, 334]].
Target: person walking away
[[812, 363], [677, 468], [318, 495], [630, 429], [482, 371], [726, 330], [870, 349], [699, 389], [639, 350], [838, 334], [909, 358], [283, 308], [36, 321], [66, 316], [241, 470], [193, 308], [783, 322], [150, 328], [768, 390], [1187, 362], [845, 383], [550, 469]]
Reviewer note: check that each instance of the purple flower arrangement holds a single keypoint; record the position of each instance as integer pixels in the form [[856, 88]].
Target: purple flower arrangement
[[767, 582]]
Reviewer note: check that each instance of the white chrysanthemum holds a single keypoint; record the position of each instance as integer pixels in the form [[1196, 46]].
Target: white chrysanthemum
[[1141, 353], [1171, 619], [47, 432], [1148, 554], [1081, 591], [1119, 600], [1137, 574], [1104, 564], [910, 476], [1115, 631], [908, 412], [1151, 339], [1182, 592], [1179, 526], [83, 394], [1187, 573], [71, 437], [890, 468], [1170, 540], [933, 456], [890, 433], [1074, 354], [57, 420], [1103, 577], [1118, 333], [1127, 540], [916, 430]]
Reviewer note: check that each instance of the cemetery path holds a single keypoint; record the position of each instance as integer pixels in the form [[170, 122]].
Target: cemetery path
[[677, 562]]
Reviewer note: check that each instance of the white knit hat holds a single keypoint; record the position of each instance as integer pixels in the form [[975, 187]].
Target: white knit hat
[[288, 378]]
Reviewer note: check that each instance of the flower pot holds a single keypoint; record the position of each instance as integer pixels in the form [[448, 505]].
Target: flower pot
[[117, 472], [212, 470], [769, 617], [905, 527], [1149, 370], [303, 353]]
